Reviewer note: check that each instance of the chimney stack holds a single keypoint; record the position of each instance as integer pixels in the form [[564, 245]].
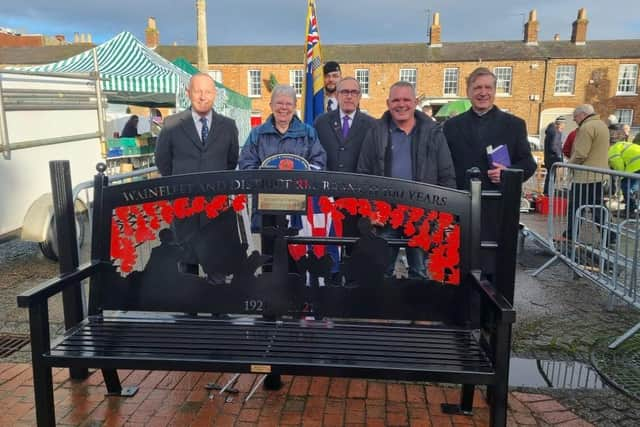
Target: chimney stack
[[76, 38], [531, 29], [203, 47], [579, 30], [152, 35], [89, 38], [435, 31]]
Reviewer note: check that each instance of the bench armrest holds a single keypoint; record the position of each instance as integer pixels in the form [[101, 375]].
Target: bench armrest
[[503, 308], [53, 286]]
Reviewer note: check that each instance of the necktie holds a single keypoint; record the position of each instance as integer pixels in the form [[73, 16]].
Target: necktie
[[345, 126], [205, 130], [330, 105]]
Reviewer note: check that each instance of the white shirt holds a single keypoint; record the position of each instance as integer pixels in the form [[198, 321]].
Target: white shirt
[[334, 104]]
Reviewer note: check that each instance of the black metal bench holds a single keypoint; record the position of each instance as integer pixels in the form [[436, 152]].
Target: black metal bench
[[145, 314]]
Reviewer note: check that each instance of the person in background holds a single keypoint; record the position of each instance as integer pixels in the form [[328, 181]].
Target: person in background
[[130, 129], [552, 148], [612, 120], [405, 143], [626, 129], [428, 110], [590, 148], [624, 156], [332, 75], [567, 147], [484, 124]]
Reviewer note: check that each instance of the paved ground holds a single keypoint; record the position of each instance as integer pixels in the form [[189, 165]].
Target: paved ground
[[559, 318]]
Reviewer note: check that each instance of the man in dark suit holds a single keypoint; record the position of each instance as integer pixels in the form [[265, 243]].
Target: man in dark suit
[[181, 148], [470, 133], [197, 140], [343, 142], [341, 133]]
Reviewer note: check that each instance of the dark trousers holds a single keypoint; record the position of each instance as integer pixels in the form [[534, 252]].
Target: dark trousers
[[584, 194]]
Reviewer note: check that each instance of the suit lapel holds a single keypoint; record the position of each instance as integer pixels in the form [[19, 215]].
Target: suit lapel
[[189, 127]]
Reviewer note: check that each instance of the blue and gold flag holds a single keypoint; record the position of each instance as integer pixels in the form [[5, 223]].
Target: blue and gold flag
[[314, 81]]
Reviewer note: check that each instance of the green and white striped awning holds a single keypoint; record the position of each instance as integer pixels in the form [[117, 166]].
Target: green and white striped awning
[[131, 73]]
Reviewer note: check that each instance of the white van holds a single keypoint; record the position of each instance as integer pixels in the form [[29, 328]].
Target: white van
[[44, 117]]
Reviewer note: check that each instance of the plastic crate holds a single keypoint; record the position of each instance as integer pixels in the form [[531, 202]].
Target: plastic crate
[[128, 142], [560, 205], [113, 143]]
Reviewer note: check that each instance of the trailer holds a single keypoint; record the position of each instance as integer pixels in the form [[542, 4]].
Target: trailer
[[46, 116]]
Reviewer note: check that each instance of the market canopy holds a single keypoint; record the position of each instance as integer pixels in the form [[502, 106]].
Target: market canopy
[[131, 73]]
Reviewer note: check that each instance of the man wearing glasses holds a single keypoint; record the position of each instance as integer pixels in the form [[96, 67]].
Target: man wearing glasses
[[342, 131]]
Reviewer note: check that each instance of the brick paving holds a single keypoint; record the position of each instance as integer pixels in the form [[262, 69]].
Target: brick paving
[[180, 399]]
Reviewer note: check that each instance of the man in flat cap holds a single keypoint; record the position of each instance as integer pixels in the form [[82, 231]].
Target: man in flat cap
[[332, 74]]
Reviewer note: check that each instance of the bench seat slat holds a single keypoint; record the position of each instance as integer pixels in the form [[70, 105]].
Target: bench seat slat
[[417, 351]]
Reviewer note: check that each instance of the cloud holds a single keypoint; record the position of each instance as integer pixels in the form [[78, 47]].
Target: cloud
[[340, 21]]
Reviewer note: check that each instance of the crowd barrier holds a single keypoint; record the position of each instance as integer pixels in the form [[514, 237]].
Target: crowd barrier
[[594, 230]]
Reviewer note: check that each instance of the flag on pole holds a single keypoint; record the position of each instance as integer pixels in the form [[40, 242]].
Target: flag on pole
[[314, 80]]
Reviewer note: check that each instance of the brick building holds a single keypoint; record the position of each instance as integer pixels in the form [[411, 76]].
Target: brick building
[[538, 80]]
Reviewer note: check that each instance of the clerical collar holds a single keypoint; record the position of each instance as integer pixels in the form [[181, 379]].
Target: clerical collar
[[480, 114]]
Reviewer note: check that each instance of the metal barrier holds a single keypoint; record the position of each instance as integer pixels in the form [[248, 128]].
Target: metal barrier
[[84, 187], [594, 230]]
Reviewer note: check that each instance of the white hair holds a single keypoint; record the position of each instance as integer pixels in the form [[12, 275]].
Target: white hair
[[584, 108]]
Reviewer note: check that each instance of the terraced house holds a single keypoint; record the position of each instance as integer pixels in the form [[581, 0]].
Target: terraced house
[[537, 80]]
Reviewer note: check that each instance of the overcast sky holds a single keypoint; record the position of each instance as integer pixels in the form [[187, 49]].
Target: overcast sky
[[238, 22]]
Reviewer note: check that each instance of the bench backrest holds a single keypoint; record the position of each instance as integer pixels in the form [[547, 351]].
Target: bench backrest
[[143, 230]]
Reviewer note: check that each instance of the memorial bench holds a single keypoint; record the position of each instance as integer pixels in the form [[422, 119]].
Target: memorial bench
[[145, 314]]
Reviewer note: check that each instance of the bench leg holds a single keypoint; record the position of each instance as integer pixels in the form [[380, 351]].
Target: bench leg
[[42, 377], [114, 388], [465, 407], [43, 393], [498, 405]]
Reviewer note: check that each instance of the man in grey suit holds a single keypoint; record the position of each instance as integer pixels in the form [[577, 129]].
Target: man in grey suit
[[341, 141], [197, 140]]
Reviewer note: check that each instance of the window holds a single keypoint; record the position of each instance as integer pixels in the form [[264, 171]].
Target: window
[[216, 75], [503, 80], [565, 79], [450, 81], [408, 75], [296, 79], [627, 79], [255, 83], [625, 116], [362, 76]]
